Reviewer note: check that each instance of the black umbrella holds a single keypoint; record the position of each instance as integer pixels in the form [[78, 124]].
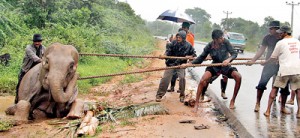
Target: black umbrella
[[176, 16]]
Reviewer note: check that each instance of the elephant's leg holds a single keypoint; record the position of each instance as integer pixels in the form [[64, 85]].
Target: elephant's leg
[[61, 110], [40, 111], [11, 110], [22, 110], [76, 110], [50, 109], [39, 114], [40, 100]]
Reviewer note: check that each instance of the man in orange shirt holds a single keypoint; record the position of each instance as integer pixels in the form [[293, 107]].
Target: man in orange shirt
[[189, 35]]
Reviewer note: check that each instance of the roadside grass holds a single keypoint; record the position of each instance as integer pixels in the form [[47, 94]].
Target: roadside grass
[[88, 66], [9, 78], [132, 78], [93, 66], [5, 125], [127, 122]]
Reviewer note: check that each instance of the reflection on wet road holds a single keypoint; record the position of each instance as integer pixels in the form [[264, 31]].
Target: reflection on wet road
[[277, 125]]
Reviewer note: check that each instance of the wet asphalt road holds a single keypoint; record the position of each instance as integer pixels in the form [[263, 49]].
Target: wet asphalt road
[[277, 125]]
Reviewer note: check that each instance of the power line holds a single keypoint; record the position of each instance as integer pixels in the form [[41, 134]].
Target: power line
[[227, 12], [292, 16]]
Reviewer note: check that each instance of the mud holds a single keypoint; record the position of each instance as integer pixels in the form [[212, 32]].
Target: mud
[[115, 94]]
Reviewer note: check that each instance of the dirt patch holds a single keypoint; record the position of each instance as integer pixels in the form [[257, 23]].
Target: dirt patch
[[116, 94]]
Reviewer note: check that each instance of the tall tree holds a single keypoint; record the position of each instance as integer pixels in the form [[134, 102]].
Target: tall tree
[[250, 29], [202, 28]]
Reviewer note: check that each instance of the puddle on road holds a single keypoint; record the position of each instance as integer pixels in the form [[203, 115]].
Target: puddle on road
[[5, 102]]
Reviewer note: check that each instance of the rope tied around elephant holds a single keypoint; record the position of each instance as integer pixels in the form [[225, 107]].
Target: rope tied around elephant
[[140, 56], [166, 68]]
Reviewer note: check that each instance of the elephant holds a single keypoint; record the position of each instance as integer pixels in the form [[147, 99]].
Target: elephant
[[49, 89]]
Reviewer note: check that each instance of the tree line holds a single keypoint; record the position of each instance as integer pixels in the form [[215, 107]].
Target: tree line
[[203, 27], [92, 26]]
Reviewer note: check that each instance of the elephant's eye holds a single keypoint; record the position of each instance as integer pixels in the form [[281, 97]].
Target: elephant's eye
[[72, 66], [45, 64]]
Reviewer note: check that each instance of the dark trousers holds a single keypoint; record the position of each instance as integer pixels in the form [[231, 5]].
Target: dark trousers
[[164, 82], [268, 72], [20, 77], [173, 80]]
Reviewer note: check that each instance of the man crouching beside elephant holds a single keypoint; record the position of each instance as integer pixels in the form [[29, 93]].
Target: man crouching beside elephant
[[49, 89]]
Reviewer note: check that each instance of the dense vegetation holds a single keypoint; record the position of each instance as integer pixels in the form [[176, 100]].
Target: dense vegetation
[[92, 26], [203, 27]]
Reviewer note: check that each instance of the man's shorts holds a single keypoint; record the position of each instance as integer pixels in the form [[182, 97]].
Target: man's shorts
[[213, 78], [282, 81], [225, 71]]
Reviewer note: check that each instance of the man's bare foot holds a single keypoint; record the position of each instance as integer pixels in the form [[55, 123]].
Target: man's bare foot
[[298, 115], [256, 109], [195, 109], [205, 100], [291, 102], [231, 106], [285, 111], [267, 114], [201, 97]]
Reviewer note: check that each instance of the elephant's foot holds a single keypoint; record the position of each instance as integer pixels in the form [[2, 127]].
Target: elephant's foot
[[38, 114], [11, 110], [22, 111], [76, 110]]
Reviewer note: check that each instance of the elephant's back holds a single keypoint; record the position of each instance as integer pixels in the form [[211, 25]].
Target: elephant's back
[[30, 84]]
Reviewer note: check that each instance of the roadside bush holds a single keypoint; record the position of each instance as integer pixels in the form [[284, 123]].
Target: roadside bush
[[90, 26]]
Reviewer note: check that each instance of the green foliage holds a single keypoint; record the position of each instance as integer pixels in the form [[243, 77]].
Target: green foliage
[[5, 125], [251, 30], [127, 122], [92, 26], [202, 28], [98, 66]]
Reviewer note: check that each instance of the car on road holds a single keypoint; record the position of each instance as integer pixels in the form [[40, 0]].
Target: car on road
[[237, 40]]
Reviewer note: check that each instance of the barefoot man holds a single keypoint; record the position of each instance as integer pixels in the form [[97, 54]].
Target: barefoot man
[[219, 49], [287, 53]]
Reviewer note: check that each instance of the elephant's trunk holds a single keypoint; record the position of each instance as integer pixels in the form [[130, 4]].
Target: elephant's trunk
[[57, 89]]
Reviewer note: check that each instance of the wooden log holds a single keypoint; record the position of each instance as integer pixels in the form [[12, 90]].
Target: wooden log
[[76, 110], [88, 125], [93, 126]]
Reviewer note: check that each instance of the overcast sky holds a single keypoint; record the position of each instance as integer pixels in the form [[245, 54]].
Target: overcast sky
[[254, 10]]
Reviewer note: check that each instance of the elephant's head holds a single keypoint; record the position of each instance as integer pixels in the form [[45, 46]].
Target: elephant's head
[[58, 74]]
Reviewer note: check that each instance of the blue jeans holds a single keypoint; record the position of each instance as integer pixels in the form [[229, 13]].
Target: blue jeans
[[268, 71]]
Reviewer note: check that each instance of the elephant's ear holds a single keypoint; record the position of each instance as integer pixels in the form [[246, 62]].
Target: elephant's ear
[[75, 66]]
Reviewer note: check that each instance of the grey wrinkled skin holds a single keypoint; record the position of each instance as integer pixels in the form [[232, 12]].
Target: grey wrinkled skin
[[51, 86]]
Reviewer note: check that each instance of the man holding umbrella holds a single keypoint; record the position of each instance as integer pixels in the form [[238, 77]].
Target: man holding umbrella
[[178, 48], [189, 38], [189, 35]]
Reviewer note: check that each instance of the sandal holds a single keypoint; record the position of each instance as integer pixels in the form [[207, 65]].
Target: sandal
[[188, 121], [201, 127]]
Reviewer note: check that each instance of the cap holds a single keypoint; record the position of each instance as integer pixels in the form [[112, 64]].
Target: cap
[[37, 38], [274, 24], [284, 29], [186, 24]]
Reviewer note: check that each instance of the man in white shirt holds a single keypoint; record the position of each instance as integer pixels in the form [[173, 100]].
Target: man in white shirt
[[287, 53]]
